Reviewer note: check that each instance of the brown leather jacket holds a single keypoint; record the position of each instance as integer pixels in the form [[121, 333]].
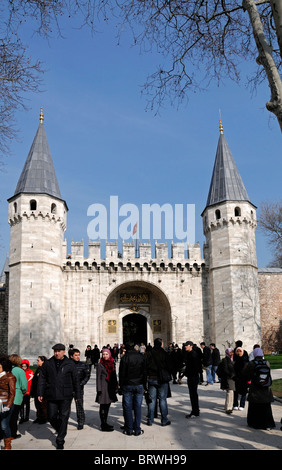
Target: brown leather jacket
[[8, 389]]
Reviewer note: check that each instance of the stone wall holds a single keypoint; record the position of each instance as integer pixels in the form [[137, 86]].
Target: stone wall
[[270, 291]]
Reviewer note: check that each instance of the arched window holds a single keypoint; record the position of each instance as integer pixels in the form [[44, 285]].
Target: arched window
[[53, 209], [15, 208], [217, 214], [237, 212], [33, 205]]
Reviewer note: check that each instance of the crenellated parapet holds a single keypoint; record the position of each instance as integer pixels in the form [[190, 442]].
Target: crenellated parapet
[[218, 223], [36, 215], [230, 214], [135, 257]]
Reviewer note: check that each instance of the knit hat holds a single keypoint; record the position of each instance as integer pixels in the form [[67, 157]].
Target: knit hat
[[228, 351], [258, 352], [107, 350]]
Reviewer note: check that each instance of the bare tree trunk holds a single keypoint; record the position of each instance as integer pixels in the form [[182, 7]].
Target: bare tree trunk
[[265, 57], [276, 6]]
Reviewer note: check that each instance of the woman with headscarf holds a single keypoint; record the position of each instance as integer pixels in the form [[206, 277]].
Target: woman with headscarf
[[241, 385], [226, 373], [259, 414], [106, 385]]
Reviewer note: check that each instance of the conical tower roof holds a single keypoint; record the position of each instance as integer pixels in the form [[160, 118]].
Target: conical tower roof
[[226, 183], [38, 175]]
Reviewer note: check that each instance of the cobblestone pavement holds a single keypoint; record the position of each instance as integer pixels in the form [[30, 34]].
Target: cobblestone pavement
[[213, 430]]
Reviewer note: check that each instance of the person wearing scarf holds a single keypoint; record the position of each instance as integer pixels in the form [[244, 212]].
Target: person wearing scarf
[[106, 385], [259, 414], [241, 385], [226, 373], [7, 396]]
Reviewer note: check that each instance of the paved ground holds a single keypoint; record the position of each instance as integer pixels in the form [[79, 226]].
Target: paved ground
[[213, 430]]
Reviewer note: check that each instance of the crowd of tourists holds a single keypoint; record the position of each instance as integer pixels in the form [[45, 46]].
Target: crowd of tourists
[[143, 372]]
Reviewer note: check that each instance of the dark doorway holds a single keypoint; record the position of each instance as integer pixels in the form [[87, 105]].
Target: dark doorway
[[134, 328]]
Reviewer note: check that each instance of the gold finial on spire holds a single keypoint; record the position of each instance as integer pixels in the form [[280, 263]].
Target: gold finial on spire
[[220, 127], [220, 123], [41, 115]]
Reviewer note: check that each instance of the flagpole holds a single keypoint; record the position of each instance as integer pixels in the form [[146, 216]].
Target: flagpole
[[133, 233]]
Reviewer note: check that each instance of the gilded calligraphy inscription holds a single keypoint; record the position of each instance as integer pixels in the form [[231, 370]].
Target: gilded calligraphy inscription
[[134, 298]]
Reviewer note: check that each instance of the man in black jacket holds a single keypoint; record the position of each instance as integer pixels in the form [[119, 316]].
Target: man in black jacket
[[58, 383], [215, 360], [83, 375], [158, 364], [192, 371], [132, 381], [207, 362]]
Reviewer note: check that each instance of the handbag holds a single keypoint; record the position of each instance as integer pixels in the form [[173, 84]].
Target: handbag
[[148, 398]]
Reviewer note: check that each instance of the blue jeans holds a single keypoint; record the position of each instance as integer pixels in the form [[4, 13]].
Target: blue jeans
[[5, 423], [209, 375], [132, 400], [213, 373], [157, 390]]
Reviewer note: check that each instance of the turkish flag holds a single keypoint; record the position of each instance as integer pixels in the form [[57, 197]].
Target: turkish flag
[[134, 229]]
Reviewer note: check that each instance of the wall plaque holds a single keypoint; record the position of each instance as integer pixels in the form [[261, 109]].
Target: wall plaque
[[157, 326], [112, 326]]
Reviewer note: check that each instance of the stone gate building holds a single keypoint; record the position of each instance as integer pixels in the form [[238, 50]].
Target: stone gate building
[[86, 298]]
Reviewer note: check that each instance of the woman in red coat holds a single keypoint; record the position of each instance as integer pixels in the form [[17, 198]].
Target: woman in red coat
[[25, 406]]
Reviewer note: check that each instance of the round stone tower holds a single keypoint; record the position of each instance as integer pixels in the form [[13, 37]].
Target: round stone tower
[[229, 223], [37, 218]]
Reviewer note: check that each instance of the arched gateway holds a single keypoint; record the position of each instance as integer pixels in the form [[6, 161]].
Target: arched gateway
[[136, 311]]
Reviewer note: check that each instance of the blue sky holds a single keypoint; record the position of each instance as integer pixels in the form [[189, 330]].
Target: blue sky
[[103, 141]]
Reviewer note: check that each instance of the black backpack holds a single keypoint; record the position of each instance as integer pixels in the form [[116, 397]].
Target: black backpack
[[262, 377]]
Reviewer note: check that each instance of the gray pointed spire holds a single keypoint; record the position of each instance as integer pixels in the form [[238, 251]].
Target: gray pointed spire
[[38, 175], [226, 183]]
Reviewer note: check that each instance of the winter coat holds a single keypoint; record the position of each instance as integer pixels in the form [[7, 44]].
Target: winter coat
[[33, 390], [95, 355], [157, 359], [7, 389], [21, 384], [132, 369], [83, 372], [215, 356], [177, 359], [240, 382], [29, 376], [207, 357], [106, 390], [193, 363], [257, 394], [60, 383], [226, 373]]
